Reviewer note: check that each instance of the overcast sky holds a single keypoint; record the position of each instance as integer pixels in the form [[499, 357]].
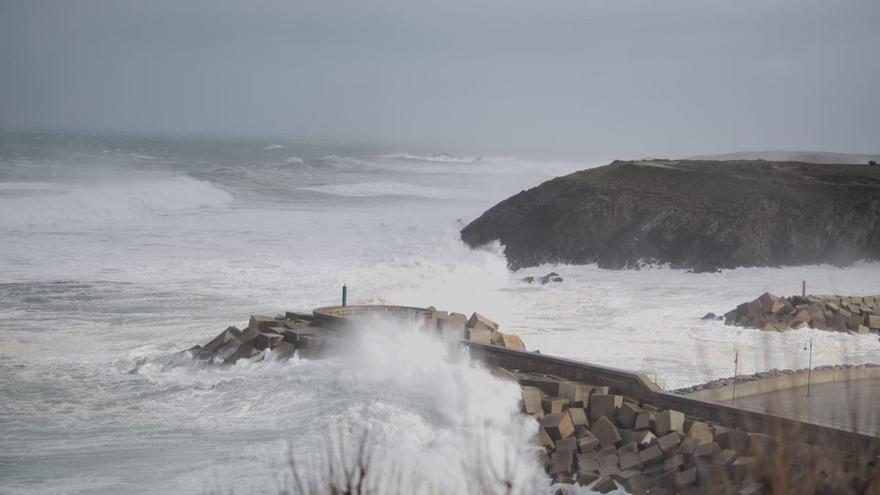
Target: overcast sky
[[610, 78]]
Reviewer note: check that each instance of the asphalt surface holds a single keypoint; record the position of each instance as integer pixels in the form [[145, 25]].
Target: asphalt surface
[[851, 405]]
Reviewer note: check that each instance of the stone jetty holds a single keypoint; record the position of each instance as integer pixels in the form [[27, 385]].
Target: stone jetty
[[279, 337], [772, 313]]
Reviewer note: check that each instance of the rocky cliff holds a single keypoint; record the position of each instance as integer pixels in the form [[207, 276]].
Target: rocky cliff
[[701, 215]]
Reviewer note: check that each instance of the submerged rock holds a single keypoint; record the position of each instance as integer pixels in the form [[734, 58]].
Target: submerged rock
[[699, 215]]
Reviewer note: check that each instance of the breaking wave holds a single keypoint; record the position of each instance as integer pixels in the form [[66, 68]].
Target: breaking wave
[[30, 204]]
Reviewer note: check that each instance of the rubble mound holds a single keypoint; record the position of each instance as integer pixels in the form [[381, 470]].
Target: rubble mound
[[694, 214], [779, 314]]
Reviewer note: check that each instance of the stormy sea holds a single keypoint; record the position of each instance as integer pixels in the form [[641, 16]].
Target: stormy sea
[[118, 251]]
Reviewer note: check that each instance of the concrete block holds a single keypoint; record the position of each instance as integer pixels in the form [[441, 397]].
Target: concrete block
[[512, 342], [585, 478], [626, 415], [607, 450], [687, 446], [604, 485], [639, 484], [761, 445], [701, 432], [554, 405], [480, 335], [673, 463], [643, 420], [225, 337], [669, 420], [479, 321], [651, 455], [862, 329], [686, 478], [711, 449], [604, 405], [576, 393], [532, 398], [581, 431], [644, 438], [244, 351], [767, 299], [558, 426], [627, 447], [568, 443], [588, 443], [622, 476], [735, 440], [630, 460], [284, 350], [578, 416], [452, 326], [267, 340], [588, 462], [606, 432], [742, 468], [609, 462], [561, 462], [543, 438], [668, 442], [549, 385], [873, 321], [261, 323], [725, 457]]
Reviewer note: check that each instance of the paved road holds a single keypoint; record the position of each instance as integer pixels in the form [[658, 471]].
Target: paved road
[[849, 405]]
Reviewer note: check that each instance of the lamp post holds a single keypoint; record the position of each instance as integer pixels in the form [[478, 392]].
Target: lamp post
[[735, 372], [810, 366]]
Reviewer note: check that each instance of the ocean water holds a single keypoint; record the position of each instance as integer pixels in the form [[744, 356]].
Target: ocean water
[[118, 251]]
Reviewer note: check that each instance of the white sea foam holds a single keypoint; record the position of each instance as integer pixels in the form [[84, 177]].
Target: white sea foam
[[375, 189], [76, 204]]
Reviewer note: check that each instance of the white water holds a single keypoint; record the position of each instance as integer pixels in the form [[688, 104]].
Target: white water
[[110, 263]]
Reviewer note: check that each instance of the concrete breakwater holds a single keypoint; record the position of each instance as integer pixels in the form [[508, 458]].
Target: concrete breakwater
[[779, 314], [776, 379], [600, 426]]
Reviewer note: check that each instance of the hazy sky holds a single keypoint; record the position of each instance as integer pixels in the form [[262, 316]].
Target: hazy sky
[[610, 78]]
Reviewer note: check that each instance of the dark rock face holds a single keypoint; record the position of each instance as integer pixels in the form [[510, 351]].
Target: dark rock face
[[701, 215]]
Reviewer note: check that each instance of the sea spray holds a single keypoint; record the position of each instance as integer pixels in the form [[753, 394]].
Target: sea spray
[[435, 420]]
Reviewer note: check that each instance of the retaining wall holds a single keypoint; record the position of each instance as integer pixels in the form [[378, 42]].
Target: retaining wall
[[639, 387]]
